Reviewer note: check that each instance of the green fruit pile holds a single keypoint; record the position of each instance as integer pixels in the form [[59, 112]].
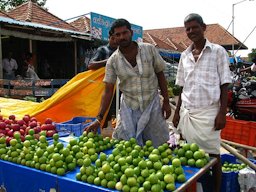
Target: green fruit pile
[[228, 167], [55, 158], [131, 167], [39, 154], [190, 154], [88, 145]]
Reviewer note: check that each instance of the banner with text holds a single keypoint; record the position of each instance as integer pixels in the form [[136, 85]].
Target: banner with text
[[100, 26]]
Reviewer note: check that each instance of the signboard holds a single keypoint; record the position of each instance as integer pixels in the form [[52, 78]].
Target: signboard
[[100, 26]]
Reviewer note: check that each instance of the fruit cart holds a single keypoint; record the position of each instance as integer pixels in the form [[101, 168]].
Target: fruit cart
[[18, 178]]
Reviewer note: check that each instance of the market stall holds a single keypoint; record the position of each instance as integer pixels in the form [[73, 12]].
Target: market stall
[[73, 163], [18, 178]]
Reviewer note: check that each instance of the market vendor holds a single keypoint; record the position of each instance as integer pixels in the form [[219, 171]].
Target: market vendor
[[99, 60], [139, 68], [204, 75]]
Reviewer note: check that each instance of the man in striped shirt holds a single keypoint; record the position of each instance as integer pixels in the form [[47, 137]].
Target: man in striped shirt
[[139, 67]]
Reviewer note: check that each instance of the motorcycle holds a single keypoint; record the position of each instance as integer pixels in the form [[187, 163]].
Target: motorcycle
[[242, 97]]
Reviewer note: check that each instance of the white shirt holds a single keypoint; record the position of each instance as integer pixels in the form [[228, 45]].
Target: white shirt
[[201, 79], [253, 67], [31, 74], [9, 65]]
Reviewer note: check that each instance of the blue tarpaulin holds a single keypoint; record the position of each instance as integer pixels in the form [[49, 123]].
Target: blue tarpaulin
[[234, 60], [170, 55]]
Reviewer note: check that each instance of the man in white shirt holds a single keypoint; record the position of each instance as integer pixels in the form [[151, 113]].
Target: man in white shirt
[[204, 75], [9, 67]]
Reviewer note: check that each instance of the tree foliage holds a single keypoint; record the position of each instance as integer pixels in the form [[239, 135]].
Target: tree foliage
[[252, 55], [6, 5]]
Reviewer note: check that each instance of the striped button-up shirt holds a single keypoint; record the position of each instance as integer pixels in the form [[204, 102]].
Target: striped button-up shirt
[[201, 79], [138, 84]]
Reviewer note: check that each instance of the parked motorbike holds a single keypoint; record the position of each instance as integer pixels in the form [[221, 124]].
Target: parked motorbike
[[242, 97]]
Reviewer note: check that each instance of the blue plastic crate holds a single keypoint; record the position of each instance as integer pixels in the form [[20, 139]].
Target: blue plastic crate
[[76, 125], [230, 179]]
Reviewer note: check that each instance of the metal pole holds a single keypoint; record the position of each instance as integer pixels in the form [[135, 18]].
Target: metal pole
[[233, 24], [30, 46], [1, 59], [117, 97], [233, 29], [75, 56]]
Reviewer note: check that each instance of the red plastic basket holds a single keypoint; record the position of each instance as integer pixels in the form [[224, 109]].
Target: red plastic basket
[[239, 131]]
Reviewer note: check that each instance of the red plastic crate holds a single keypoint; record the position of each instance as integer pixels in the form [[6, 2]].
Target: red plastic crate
[[240, 131]]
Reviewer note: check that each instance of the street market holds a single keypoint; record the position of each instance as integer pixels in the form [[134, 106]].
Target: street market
[[184, 113]]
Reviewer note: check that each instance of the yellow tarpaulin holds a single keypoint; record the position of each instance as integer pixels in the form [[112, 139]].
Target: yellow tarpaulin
[[81, 96]]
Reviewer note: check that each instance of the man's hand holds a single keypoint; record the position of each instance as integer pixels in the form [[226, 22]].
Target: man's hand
[[166, 110], [176, 119], [92, 127], [220, 121]]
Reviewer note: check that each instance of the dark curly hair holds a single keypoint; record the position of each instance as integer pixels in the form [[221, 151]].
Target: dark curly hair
[[119, 23]]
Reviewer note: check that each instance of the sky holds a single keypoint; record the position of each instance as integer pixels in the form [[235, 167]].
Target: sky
[[168, 13]]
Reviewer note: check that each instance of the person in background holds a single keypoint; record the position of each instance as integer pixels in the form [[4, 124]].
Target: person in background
[[28, 68], [102, 54], [9, 67], [252, 68], [139, 67], [204, 75], [99, 60]]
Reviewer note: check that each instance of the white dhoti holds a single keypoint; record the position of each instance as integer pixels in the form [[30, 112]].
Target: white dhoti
[[197, 126], [142, 125]]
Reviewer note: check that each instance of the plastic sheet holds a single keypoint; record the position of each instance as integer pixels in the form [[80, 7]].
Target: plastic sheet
[[81, 96]]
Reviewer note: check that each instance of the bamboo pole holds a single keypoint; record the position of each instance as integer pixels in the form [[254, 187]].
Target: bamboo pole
[[239, 145], [239, 156]]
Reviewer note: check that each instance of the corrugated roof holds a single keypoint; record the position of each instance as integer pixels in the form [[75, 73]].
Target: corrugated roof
[[40, 26], [31, 12]]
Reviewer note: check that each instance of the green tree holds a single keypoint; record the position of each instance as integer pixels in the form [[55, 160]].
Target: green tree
[[6, 5], [252, 54]]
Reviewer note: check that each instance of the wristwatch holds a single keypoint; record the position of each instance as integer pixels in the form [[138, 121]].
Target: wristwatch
[[99, 118]]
